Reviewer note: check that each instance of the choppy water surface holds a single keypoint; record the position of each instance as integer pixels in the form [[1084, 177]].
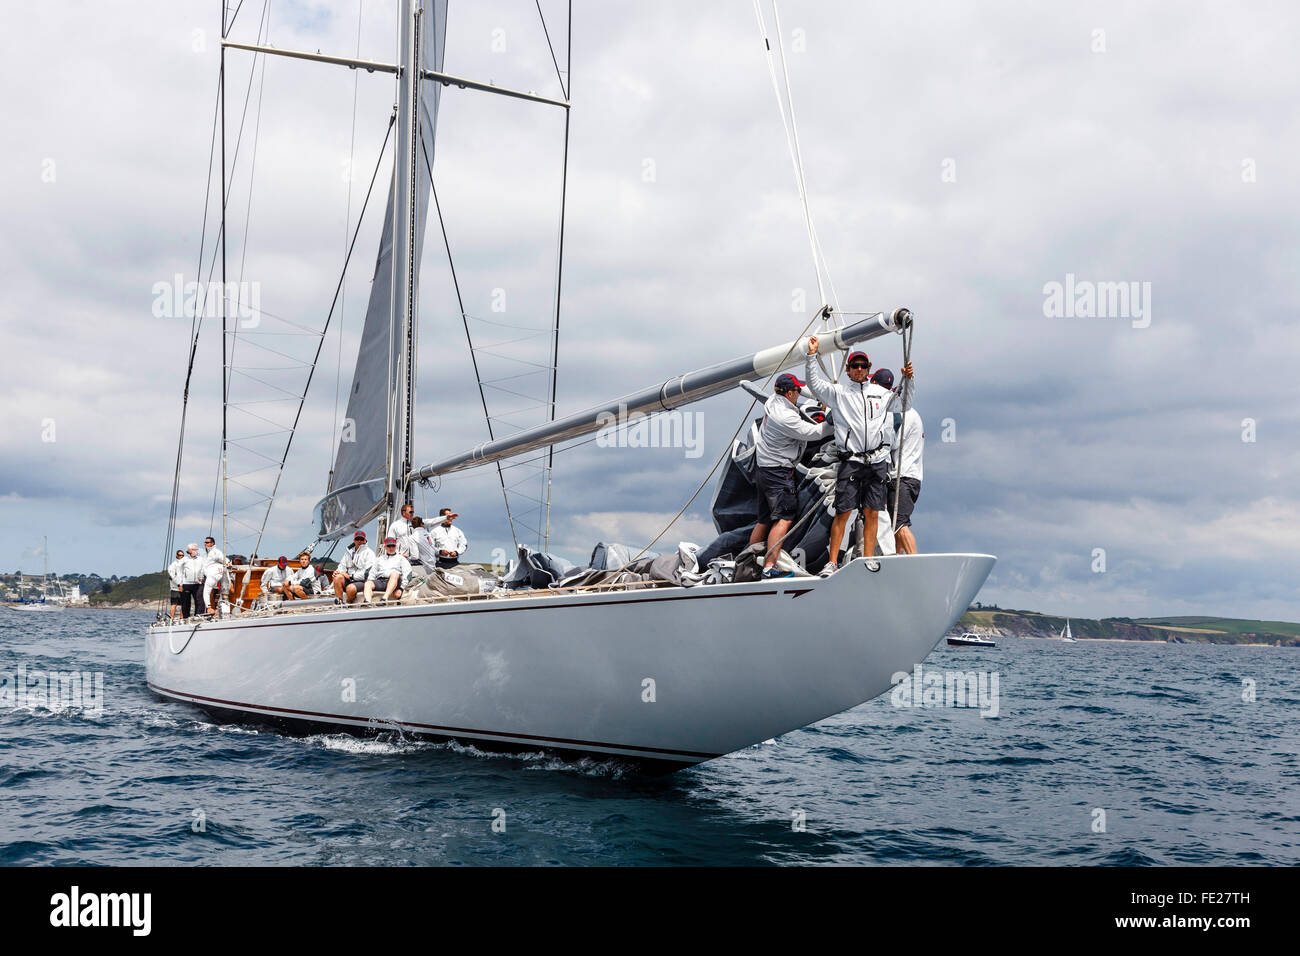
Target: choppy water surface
[[1158, 737]]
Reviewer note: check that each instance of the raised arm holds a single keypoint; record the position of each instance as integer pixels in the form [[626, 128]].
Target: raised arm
[[822, 388]]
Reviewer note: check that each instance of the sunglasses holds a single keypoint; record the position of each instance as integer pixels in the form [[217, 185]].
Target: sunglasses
[[858, 366]]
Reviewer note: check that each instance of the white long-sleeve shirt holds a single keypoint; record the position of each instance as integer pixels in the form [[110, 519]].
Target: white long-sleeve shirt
[[784, 434], [912, 447], [191, 569], [275, 577], [176, 572], [425, 547], [305, 578], [357, 562], [214, 563], [448, 539], [385, 564], [862, 422]]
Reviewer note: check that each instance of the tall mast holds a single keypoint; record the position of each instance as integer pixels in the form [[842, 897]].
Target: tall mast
[[225, 290], [401, 403]]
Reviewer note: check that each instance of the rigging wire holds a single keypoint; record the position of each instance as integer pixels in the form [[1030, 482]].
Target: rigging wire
[[337, 292], [559, 265], [469, 338], [196, 323], [200, 302], [569, 58], [791, 129], [347, 224]]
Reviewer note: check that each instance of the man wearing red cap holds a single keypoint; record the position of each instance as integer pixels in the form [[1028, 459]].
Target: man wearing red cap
[[353, 570], [862, 413], [782, 438], [278, 581]]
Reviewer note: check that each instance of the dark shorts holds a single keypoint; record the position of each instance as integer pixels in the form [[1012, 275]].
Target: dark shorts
[[777, 499], [176, 596], [910, 490], [861, 486]]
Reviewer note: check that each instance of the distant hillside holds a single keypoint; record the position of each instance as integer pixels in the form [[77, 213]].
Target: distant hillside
[[1177, 630], [147, 588], [1221, 625]]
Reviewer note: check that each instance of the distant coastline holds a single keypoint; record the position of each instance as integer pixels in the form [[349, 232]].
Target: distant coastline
[[999, 622]]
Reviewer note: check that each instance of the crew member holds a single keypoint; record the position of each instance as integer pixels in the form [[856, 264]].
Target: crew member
[[191, 581], [909, 446], [861, 411], [448, 540], [782, 438], [277, 581], [175, 574], [353, 570], [304, 578], [391, 569], [214, 569], [401, 529]]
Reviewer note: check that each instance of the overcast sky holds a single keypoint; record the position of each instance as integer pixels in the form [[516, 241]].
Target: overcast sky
[[959, 159]]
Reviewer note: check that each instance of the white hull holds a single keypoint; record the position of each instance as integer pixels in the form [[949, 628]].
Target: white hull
[[732, 665]]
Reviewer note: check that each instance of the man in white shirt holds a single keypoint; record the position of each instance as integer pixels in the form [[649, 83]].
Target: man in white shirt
[[304, 579], [390, 569], [277, 582], [910, 446], [448, 540], [403, 530], [426, 551], [782, 438], [214, 569], [861, 411], [191, 580], [354, 569], [174, 575]]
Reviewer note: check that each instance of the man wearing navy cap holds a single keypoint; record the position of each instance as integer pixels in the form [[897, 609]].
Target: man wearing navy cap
[[861, 412], [782, 438]]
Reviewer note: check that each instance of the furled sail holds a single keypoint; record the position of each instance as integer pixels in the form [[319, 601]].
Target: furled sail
[[359, 481]]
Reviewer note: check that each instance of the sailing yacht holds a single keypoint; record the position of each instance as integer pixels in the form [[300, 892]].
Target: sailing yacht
[[51, 598], [655, 672], [1065, 634]]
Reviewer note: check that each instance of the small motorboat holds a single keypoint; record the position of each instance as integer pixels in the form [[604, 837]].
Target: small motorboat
[[970, 640]]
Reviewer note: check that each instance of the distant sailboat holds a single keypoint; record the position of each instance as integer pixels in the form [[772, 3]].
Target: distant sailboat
[[1065, 634]]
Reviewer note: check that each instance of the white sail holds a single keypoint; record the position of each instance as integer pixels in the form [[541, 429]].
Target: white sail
[[359, 480]]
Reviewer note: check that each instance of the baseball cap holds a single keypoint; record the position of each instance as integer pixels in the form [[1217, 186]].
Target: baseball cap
[[359, 536], [884, 378], [787, 381], [854, 356], [282, 561], [389, 540]]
